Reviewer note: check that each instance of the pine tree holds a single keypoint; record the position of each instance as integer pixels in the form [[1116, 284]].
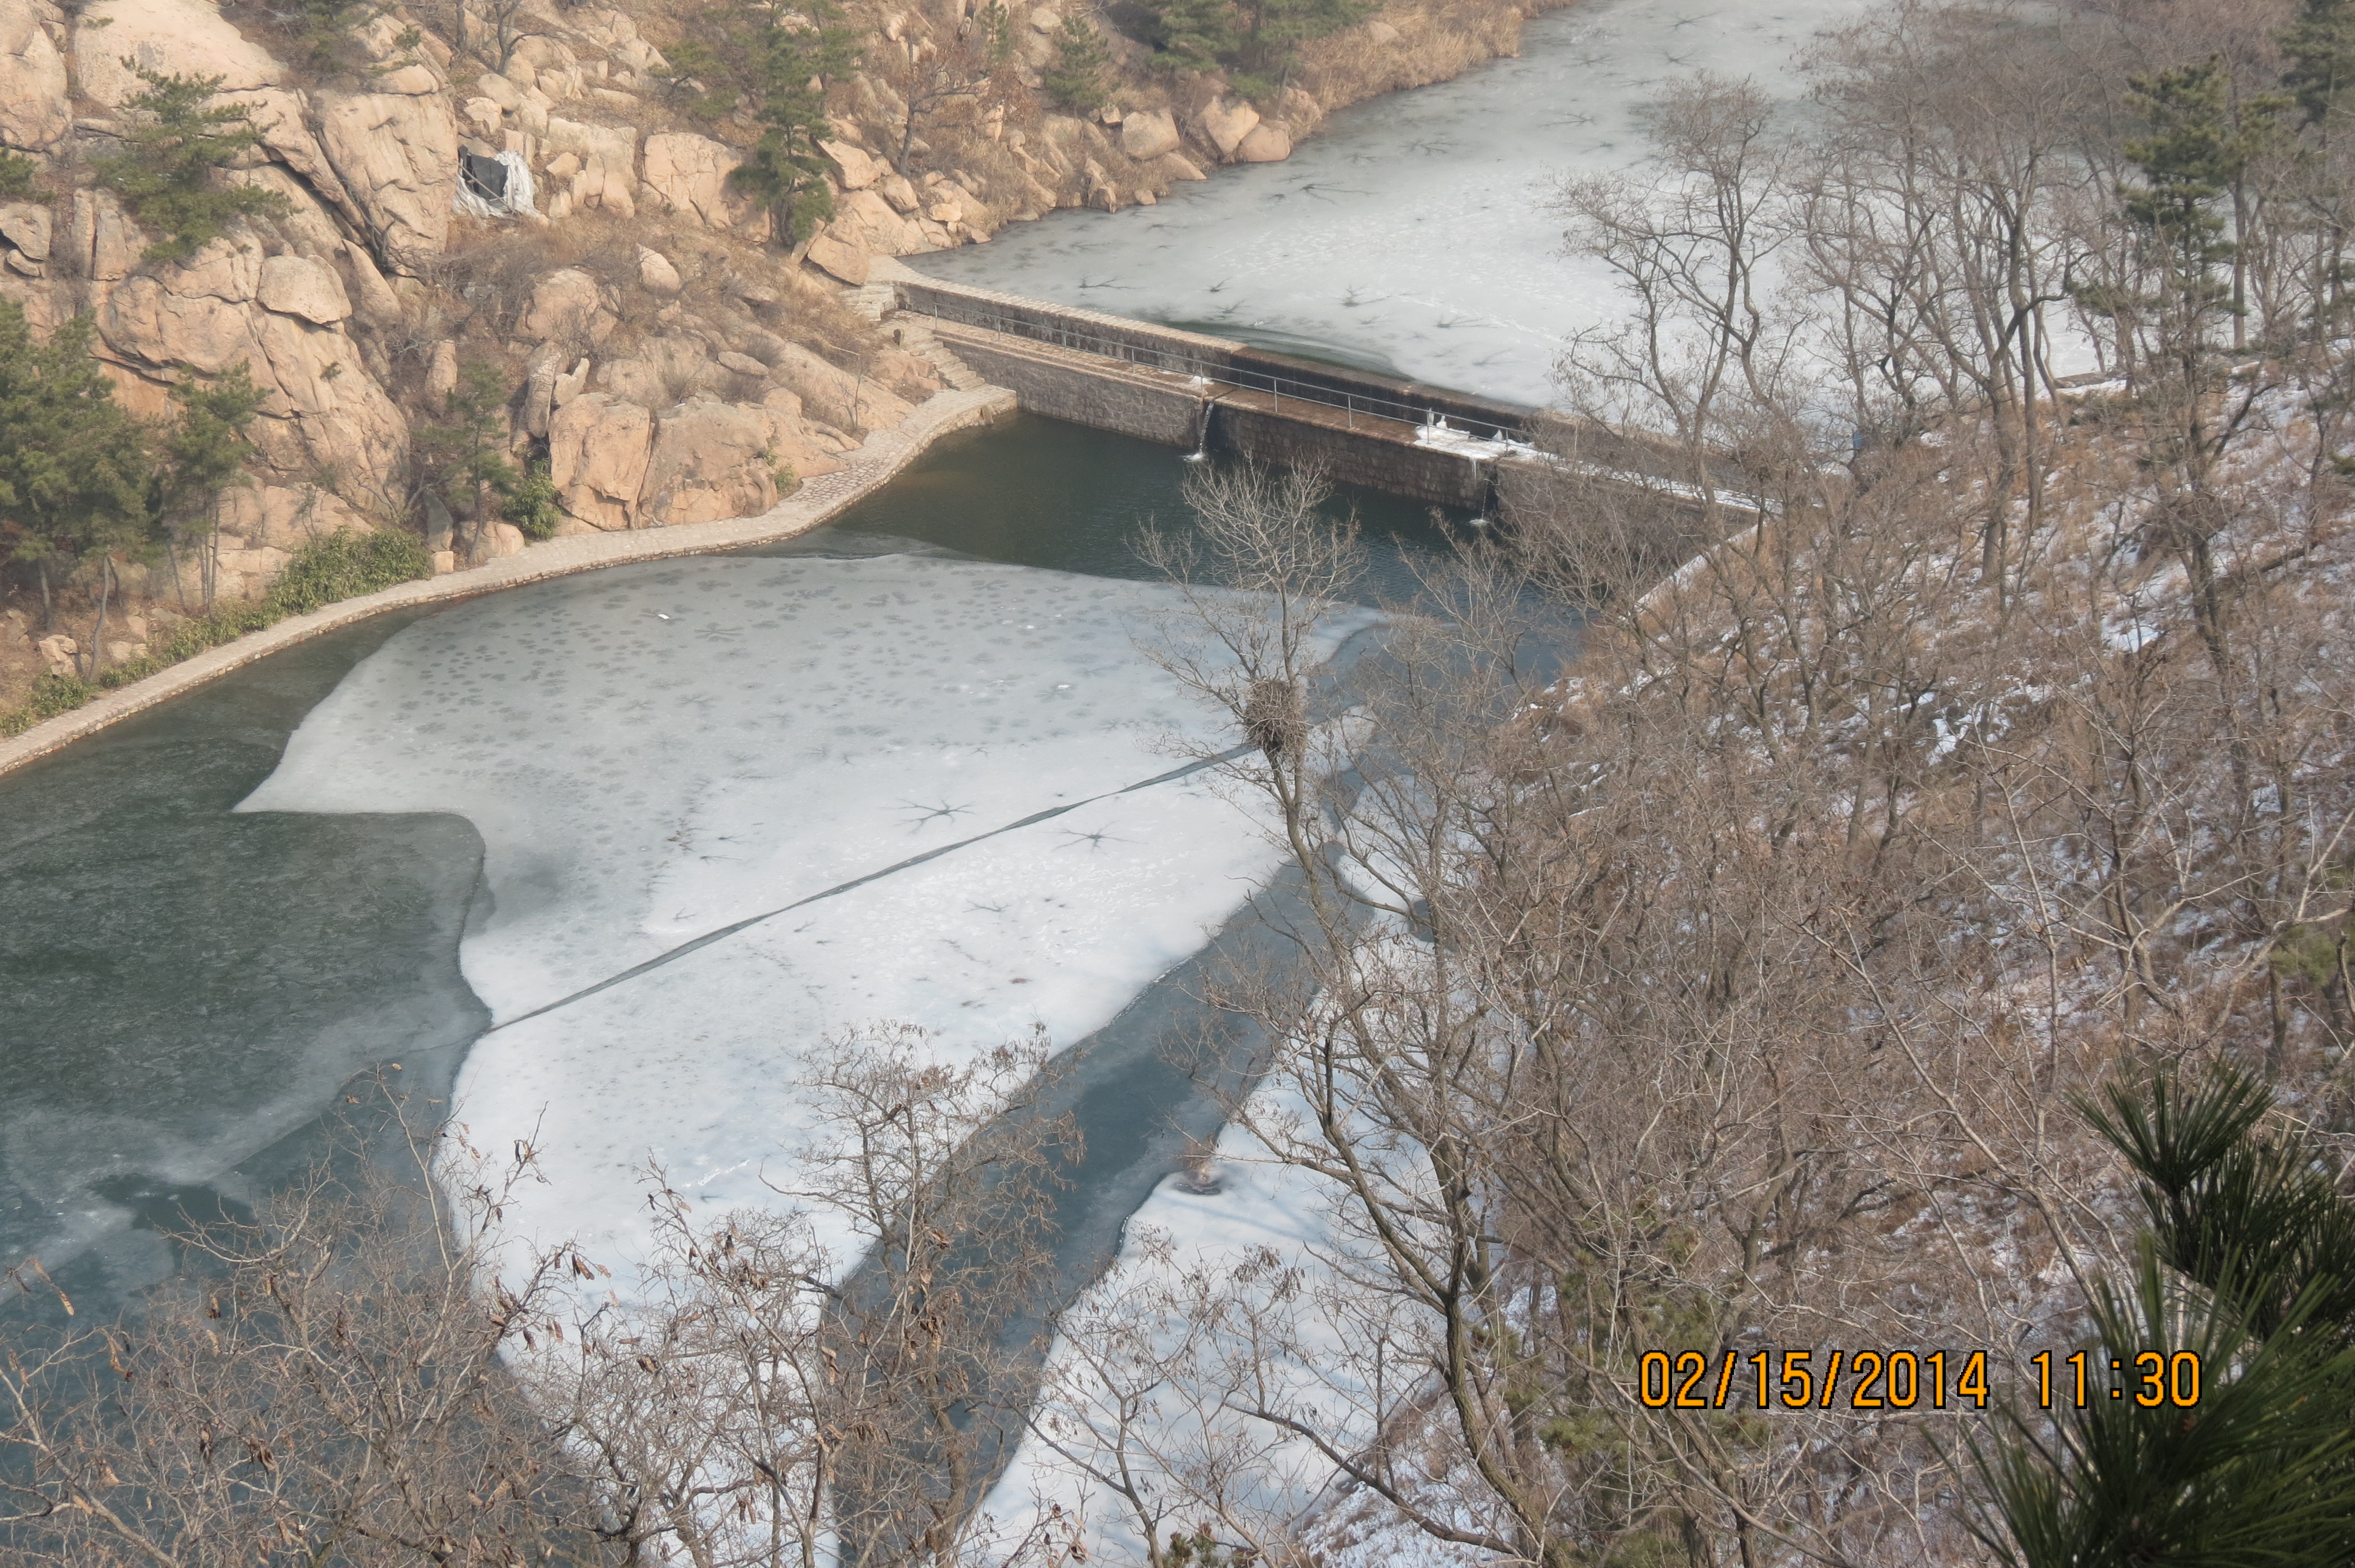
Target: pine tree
[[775, 64], [2197, 152], [1194, 34], [2249, 1264], [178, 139], [2321, 48], [203, 455], [1076, 80], [996, 24], [462, 462], [1273, 31], [787, 168], [74, 465], [2186, 161]]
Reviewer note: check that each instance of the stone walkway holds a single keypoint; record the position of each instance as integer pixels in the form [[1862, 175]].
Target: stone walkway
[[883, 454]]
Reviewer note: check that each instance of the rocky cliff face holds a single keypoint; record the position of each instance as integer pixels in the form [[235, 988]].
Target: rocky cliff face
[[669, 361]]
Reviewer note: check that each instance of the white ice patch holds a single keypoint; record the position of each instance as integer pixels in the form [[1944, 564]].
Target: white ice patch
[[653, 753], [1440, 435]]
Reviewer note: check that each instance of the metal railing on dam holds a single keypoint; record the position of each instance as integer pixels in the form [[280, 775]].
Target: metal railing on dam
[[1228, 373], [1221, 361], [1199, 392]]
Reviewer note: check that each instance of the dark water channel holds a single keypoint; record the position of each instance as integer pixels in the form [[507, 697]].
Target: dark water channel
[[188, 994]]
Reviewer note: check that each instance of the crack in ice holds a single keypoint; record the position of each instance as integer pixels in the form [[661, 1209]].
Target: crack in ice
[[697, 943]]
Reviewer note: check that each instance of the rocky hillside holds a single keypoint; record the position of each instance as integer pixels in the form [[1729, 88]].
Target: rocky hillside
[[635, 327]]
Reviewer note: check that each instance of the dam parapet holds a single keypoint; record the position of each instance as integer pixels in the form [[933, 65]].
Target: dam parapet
[[1197, 392], [1205, 394]]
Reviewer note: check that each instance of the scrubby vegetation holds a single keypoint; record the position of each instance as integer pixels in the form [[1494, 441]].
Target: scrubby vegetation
[[16, 173], [344, 566], [330, 567]]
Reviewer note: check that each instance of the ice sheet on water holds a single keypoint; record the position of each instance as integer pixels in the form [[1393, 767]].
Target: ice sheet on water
[[659, 751], [655, 753], [699, 1063]]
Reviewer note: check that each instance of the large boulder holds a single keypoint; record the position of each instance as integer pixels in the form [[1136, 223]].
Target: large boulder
[[106, 243], [789, 438], [913, 378], [564, 308], [321, 408], [327, 413], [196, 314], [836, 396], [1268, 143], [846, 262], [34, 111], [307, 225], [635, 381], [598, 445], [286, 517], [607, 177], [681, 363], [27, 227], [397, 155], [864, 219], [1224, 125], [656, 272], [298, 286], [114, 39], [1148, 133], [378, 302], [688, 175], [857, 168], [495, 540], [711, 460]]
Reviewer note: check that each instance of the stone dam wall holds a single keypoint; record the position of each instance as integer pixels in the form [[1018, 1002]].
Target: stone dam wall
[[1184, 389]]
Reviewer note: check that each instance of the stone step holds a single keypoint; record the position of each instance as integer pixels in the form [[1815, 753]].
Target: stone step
[[913, 334]]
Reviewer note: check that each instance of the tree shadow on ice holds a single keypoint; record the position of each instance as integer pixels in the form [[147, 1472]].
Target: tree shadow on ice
[[1111, 1117]]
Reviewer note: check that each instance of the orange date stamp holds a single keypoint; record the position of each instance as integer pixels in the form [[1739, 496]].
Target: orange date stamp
[[1878, 1380]]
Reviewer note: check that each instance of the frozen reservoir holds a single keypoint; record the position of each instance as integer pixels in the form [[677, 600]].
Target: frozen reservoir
[[657, 755], [394, 843], [484, 815]]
